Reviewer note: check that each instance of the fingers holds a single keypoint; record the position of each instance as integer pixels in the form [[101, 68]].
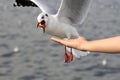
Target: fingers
[[68, 43], [58, 40]]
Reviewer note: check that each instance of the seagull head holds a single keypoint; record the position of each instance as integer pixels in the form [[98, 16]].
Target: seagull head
[[42, 21]]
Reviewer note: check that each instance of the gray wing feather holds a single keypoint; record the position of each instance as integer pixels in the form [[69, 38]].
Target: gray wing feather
[[45, 7], [73, 11]]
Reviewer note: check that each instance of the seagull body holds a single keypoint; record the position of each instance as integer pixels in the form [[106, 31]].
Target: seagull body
[[60, 29], [61, 22]]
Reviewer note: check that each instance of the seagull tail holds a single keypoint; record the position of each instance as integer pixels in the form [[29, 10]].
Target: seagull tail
[[78, 53]]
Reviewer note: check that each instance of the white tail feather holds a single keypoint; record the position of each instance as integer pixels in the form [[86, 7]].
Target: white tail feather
[[78, 53]]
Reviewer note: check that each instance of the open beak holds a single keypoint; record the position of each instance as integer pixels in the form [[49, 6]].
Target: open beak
[[42, 25]]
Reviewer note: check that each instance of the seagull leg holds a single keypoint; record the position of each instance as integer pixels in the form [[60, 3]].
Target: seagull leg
[[71, 55], [66, 56]]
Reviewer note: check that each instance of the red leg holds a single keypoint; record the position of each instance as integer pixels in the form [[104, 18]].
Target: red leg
[[66, 56], [71, 56]]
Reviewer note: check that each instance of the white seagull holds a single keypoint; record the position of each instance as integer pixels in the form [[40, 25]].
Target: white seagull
[[61, 22]]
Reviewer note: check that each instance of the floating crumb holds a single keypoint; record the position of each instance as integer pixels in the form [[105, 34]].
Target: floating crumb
[[16, 49], [104, 62]]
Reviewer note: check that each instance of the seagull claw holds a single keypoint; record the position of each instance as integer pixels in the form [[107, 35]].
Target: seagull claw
[[68, 58], [71, 56]]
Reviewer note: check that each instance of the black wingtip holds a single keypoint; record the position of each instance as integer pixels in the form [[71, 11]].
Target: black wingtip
[[24, 3]]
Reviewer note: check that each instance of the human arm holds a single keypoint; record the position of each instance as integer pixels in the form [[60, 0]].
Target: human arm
[[109, 45]]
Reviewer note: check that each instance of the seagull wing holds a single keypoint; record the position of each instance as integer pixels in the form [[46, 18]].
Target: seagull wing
[[45, 7], [73, 11]]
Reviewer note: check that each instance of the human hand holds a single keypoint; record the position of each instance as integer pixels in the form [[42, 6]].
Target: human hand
[[72, 43]]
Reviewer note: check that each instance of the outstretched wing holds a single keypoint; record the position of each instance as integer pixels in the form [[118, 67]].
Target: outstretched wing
[[45, 7], [73, 11]]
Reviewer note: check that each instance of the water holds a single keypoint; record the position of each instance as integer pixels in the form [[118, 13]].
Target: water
[[38, 58]]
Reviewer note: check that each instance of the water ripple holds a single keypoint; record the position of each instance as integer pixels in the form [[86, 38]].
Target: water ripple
[[27, 77], [10, 54], [4, 45]]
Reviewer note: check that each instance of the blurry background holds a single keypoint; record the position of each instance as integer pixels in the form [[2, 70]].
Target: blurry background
[[28, 54]]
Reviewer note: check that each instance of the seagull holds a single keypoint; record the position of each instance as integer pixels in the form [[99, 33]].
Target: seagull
[[61, 23]]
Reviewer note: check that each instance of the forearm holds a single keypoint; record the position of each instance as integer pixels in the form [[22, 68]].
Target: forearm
[[111, 45]]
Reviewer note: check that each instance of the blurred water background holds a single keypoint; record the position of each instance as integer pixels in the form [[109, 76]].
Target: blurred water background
[[28, 54]]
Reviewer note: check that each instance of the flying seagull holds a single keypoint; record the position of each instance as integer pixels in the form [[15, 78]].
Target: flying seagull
[[61, 22]]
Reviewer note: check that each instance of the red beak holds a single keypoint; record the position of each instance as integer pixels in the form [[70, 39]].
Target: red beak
[[38, 24], [42, 25]]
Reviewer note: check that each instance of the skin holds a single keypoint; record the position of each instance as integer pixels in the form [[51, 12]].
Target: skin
[[108, 45]]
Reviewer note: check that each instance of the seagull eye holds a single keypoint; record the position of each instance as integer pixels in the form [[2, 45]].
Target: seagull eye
[[46, 15], [42, 17]]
